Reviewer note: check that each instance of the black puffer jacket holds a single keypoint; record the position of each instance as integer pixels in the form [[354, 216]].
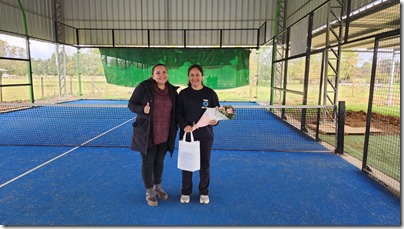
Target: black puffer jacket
[[142, 131]]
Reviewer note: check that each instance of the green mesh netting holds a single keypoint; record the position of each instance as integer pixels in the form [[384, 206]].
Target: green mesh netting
[[223, 68]]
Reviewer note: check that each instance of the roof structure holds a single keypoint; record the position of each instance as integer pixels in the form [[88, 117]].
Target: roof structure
[[181, 23], [142, 23]]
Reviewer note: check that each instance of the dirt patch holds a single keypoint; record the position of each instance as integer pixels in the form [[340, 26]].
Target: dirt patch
[[387, 124]]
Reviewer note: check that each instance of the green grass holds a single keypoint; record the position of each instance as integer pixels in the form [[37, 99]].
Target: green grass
[[383, 152], [48, 89], [95, 87], [356, 98]]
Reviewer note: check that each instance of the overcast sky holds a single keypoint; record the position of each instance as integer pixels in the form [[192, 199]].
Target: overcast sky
[[39, 49]]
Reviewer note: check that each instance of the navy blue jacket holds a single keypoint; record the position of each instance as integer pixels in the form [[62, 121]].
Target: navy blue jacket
[[190, 108]]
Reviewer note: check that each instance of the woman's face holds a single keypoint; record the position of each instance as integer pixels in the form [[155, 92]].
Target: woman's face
[[160, 75], [195, 78]]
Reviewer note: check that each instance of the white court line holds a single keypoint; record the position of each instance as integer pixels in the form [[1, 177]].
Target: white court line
[[61, 155]]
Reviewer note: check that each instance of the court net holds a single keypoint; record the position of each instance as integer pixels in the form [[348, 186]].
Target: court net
[[255, 127]]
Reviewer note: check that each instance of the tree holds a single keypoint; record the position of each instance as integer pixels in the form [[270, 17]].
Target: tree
[[3, 48], [17, 67], [348, 62]]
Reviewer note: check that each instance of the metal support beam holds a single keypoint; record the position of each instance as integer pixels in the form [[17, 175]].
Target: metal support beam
[[332, 54], [59, 19], [278, 52], [60, 55]]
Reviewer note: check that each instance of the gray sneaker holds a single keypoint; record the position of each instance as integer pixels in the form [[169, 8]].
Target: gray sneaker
[[151, 197], [160, 192]]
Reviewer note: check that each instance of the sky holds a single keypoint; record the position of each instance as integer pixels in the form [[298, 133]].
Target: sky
[[39, 49]]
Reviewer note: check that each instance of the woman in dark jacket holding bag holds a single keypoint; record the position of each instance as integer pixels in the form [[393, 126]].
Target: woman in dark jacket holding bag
[[155, 129]]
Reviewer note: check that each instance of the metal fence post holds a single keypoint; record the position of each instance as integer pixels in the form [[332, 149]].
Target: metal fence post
[[341, 128]]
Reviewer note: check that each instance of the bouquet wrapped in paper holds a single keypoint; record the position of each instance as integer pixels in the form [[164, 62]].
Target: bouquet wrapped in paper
[[215, 113]]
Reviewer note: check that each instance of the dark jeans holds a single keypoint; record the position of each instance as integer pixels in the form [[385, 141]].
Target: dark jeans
[[153, 164], [204, 172]]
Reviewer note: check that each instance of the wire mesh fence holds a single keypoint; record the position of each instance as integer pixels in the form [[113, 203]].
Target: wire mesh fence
[[333, 62], [265, 128]]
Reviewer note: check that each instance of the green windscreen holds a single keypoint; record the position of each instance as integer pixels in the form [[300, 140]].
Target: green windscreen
[[223, 68]]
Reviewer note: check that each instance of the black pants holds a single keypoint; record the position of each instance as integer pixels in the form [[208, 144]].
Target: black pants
[[204, 172], [153, 164]]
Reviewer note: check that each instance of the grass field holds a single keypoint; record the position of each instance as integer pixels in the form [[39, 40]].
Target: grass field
[[47, 88], [383, 151]]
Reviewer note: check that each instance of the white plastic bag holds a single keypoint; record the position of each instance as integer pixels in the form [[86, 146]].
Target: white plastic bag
[[189, 158]]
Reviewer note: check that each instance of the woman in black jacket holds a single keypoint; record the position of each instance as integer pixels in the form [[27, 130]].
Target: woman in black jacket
[[155, 129]]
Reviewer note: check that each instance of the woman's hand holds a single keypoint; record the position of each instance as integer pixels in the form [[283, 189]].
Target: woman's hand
[[146, 108], [213, 122], [188, 129]]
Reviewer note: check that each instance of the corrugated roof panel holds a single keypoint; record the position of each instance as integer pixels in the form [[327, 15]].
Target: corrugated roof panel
[[39, 19], [298, 9], [136, 14], [11, 17]]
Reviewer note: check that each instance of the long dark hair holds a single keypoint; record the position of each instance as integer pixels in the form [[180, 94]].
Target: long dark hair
[[199, 67]]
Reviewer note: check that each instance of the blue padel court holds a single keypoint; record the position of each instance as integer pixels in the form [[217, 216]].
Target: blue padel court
[[72, 166]]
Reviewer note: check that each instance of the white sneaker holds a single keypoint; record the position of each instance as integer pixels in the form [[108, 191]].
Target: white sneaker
[[204, 199], [185, 199]]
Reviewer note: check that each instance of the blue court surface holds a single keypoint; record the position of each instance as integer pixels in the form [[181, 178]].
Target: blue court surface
[[101, 185]]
